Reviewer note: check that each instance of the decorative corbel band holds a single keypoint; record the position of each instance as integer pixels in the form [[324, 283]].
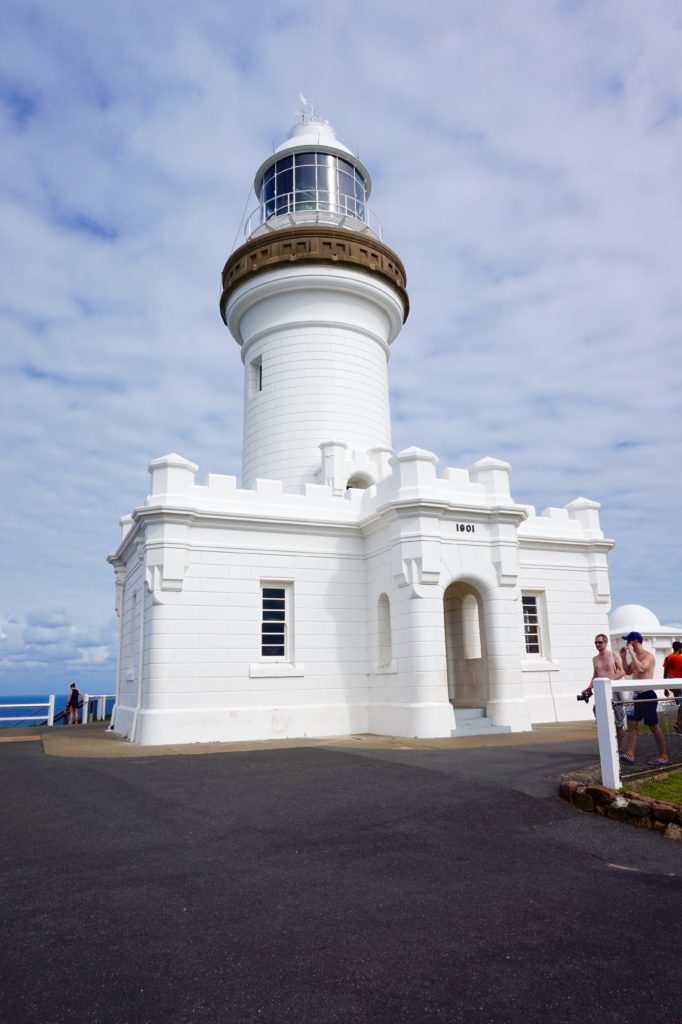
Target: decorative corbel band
[[301, 244]]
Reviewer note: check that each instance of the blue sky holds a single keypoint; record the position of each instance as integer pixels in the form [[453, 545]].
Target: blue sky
[[526, 166]]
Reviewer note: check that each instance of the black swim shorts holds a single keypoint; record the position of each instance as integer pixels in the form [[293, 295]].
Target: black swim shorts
[[644, 709]]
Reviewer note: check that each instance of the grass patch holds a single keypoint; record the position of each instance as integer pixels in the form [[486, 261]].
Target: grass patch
[[663, 787]]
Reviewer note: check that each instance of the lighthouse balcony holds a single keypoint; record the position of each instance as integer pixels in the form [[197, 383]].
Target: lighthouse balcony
[[313, 206]]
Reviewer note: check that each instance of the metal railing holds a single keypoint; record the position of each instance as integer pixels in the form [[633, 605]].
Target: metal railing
[[99, 700], [657, 724], [49, 717], [93, 706], [320, 206]]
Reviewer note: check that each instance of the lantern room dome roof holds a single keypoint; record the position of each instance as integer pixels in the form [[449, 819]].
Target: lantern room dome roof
[[312, 135]]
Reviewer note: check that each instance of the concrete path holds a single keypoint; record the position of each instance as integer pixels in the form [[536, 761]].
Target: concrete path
[[348, 880], [95, 740]]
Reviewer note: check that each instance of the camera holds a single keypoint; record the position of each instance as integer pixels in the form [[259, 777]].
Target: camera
[[585, 695]]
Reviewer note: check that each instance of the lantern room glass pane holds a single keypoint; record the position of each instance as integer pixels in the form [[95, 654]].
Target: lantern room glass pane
[[326, 177], [268, 191], [285, 182], [346, 184], [305, 177]]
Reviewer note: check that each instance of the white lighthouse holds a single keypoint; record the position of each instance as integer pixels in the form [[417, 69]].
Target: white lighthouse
[[342, 587]]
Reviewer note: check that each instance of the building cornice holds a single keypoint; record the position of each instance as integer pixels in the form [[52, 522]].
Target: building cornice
[[601, 545], [356, 521], [119, 556], [312, 244]]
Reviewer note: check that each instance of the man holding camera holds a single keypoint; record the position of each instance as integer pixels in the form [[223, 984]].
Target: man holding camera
[[640, 664], [607, 665]]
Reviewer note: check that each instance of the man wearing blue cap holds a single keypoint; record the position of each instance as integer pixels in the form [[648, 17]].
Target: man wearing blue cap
[[640, 664]]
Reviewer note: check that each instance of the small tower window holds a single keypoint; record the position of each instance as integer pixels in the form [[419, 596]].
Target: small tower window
[[255, 376], [384, 630]]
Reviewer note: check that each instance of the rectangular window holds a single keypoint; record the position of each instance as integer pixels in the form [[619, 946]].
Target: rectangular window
[[132, 639], [531, 624], [255, 376], [274, 622]]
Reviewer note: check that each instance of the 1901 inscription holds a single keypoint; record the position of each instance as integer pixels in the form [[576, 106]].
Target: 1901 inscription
[[465, 528]]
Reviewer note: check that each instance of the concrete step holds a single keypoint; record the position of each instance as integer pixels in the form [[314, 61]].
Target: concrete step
[[473, 722]]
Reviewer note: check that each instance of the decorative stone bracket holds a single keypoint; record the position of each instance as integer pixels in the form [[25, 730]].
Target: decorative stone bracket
[[417, 562], [505, 553], [120, 575], [167, 557], [167, 572], [598, 575]]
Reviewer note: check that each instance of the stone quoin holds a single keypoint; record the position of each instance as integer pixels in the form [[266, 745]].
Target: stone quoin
[[342, 587]]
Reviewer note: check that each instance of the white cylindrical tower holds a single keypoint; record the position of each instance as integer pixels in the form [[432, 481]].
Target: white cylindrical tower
[[314, 299]]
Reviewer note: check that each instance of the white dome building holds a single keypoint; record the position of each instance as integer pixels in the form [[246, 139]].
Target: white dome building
[[629, 618], [342, 587]]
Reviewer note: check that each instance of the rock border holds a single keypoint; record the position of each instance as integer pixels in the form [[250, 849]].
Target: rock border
[[622, 805]]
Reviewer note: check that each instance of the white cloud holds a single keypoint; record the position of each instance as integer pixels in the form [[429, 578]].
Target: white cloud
[[526, 168]]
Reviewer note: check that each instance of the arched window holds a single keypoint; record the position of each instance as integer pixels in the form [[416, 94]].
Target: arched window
[[384, 630], [358, 482], [471, 628]]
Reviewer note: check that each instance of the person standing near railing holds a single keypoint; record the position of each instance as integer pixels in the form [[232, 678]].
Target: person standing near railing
[[672, 669], [606, 664], [640, 664], [72, 705]]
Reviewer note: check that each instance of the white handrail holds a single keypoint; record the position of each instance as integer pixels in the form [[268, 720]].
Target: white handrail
[[99, 715], [606, 723], [49, 717], [322, 206], [100, 707]]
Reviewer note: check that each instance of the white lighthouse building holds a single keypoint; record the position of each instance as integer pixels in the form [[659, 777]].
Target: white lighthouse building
[[341, 586]]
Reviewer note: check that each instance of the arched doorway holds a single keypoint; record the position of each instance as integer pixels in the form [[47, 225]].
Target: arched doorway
[[465, 646]]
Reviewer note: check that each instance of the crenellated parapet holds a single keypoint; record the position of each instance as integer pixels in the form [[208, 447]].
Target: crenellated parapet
[[471, 507]]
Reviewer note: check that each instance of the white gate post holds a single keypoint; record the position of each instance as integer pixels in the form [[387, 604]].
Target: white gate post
[[50, 710], [86, 705], [606, 732]]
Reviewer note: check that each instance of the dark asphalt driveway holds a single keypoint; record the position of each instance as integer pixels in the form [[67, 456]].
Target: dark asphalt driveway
[[328, 885]]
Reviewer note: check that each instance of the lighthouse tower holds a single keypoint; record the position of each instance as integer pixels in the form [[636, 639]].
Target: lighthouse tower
[[314, 298]]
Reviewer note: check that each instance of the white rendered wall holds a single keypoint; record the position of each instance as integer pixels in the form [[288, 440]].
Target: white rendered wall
[[321, 336], [205, 678]]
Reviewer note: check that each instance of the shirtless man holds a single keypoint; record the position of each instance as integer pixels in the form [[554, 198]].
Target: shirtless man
[[640, 664], [607, 665]]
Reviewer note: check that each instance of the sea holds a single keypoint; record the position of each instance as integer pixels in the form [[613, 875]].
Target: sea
[[36, 716]]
